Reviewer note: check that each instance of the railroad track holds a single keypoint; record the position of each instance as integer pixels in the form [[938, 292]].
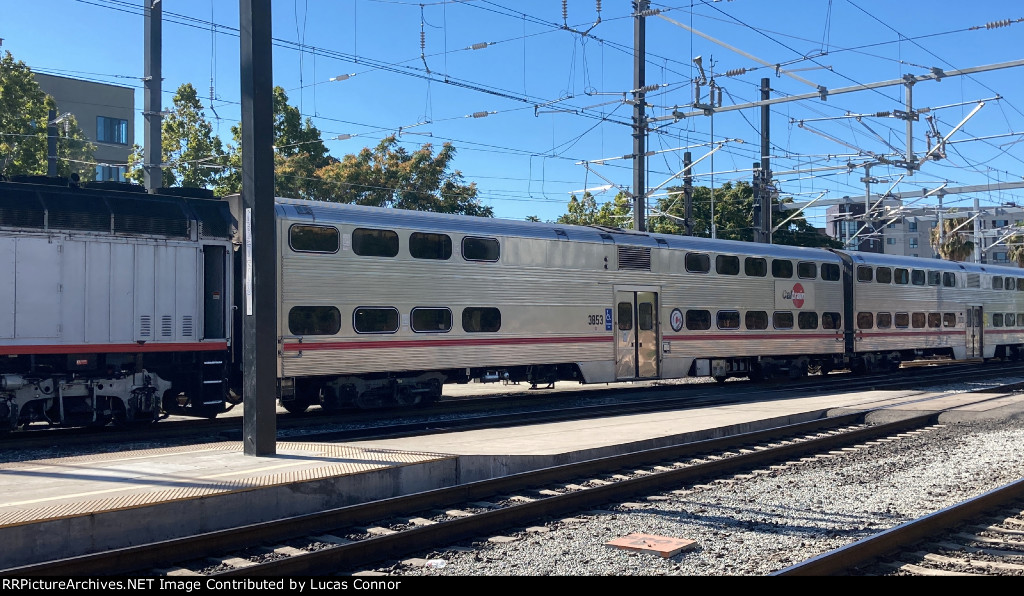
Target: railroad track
[[349, 539], [484, 412], [980, 536]]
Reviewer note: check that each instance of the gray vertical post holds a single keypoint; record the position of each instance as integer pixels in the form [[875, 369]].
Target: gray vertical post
[[766, 164], [688, 194], [259, 314], [153, 143], [639, 116], [51, 144], [758, 188]]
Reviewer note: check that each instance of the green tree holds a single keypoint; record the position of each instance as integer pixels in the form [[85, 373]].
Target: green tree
[[299, 152], [24, 119], [192, 155], [734, 208], [954, 246], [390, 176], [617, 213]]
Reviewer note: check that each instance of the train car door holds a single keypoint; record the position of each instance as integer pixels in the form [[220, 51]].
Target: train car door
[[975, 331], [214, 292], [636, 334]]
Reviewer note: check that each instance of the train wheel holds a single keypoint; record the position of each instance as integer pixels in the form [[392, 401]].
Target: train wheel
[[295, 406], [720, 379]]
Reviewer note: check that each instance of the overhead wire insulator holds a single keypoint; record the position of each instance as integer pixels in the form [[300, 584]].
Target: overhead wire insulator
[[598, 6], [883, 114], [565, 12], [479, 46], [998, 24], [735, 72]]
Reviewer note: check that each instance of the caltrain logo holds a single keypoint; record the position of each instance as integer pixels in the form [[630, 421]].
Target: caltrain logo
[[796, 295]]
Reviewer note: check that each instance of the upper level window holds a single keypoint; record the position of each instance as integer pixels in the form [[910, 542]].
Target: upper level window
[[727, 265], [313, 238], [374, 243], [830, 272], [901, 276], [782, 268], [430, 246], [111, 130], [883, 275], [949, 279], [864, 273], [755, 267], [997, 283], [934, 278], [917, 277], [806, 270], [696, 262], [480, 249]]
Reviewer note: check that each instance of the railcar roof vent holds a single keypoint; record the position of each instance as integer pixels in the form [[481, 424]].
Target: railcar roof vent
[[637, 258], [215, 219], [22, 209], [142, 216]]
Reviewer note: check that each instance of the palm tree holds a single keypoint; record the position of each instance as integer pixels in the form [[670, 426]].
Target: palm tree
[[955, 246]]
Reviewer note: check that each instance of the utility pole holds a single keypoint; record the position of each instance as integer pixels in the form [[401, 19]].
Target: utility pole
[[51, 144], [151, 113], [763, 174], [639, 115], [688, 194], [259, 314]]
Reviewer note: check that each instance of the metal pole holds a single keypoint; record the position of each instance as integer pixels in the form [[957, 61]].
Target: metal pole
[[152, 141], [766, 165], [51, 144], [639, 116], [688, 194], [259, 316]]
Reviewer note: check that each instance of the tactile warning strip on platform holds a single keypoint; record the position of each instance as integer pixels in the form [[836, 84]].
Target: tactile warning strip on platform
[[319, 461]]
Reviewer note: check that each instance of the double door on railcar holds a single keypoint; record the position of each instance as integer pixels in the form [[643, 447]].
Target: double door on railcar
[[636, 333], [975, 331]]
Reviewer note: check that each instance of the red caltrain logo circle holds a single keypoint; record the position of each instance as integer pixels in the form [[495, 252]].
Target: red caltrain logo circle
[[798, 295]]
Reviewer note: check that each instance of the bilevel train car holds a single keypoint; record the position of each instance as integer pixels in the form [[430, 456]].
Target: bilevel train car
[[116, 305], [383, 306]]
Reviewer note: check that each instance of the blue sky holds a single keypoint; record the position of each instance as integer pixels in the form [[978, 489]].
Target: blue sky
[[553, 97]]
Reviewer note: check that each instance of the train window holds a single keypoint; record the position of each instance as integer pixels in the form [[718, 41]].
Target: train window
[[806, 270], [949, 319], [480, 249], [1009, 283], [314, 320], [728, 319], [431, 320], [933, 278], [756, 319], [696, 262], [831, 320], [997, 283], [917, 277], [883, 275], [1020, 284], [755, 267], [1011, 319], [782, 320], [1020, 319], [902, 319], [883, 320], [481, 319], [625, 316], [901, 276], [313, 238], [375, 319], [864, 273], [430, 246], [698, 320], [865, 320], [374, 243], [997, 319], [917, 320], [645, 316], [727, 265], [807, 320], [934, 319], [949, 279], [830, 272], [782, 268]]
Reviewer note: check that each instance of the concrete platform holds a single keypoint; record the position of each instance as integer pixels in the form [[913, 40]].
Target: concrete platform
[[78, 505]]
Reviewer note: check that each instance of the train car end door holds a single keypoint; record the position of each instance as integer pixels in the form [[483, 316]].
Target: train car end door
[[975, 331], [636, 334]]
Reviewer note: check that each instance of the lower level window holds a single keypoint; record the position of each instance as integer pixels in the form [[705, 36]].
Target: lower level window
[[314, 320], [375, 319], [481, 319], [431, 320]]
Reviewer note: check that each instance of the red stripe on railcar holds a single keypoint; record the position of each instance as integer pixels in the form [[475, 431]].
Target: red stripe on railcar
[[438, 343]]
